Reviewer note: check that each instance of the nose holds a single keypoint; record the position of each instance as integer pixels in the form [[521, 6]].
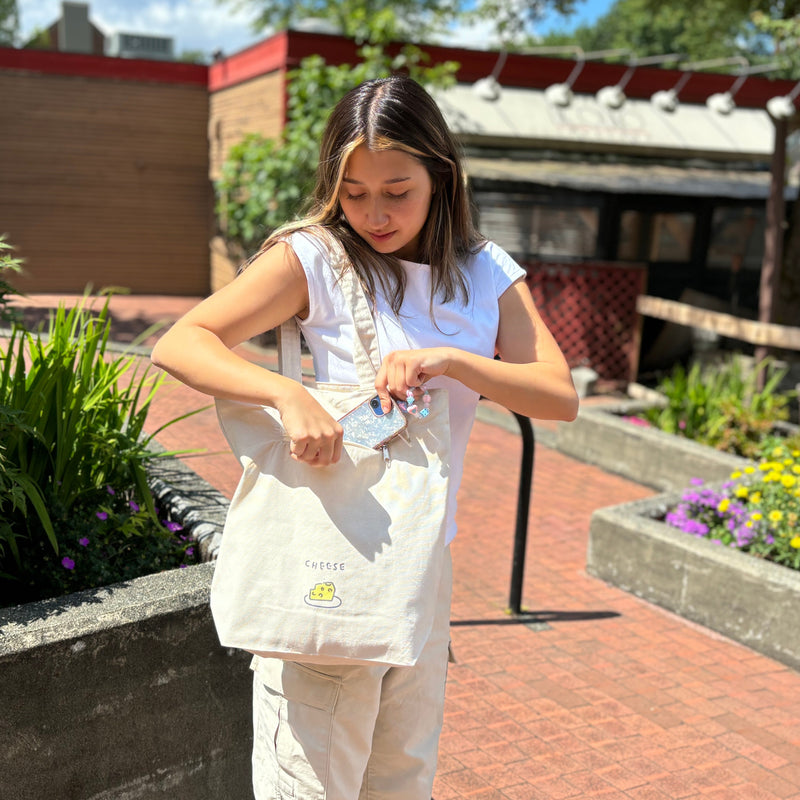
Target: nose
[[376, 213]]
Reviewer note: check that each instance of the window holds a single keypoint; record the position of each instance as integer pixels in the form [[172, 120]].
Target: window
[[671, 237], [527, 230], [655, 237], [737, 238]]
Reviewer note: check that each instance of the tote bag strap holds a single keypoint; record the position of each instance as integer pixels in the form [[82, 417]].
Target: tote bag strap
[[366, 356]]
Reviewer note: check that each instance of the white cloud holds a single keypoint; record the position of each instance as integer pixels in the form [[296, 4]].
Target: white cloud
[[194, 24]]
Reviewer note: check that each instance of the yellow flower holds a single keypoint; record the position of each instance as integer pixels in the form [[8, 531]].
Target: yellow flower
[[796, 469], [723, 505], [737, 474], [749, 470], [795, 543], [755, 498], [775, 516], [777, 452], [788, 481], [741, 491], [757, 516]]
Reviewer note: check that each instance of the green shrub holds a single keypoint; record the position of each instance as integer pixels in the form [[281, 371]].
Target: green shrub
[[722, 406], [76, 510], [8, 264]]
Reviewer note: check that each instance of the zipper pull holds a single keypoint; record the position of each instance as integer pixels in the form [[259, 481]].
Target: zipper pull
[[386, 456]]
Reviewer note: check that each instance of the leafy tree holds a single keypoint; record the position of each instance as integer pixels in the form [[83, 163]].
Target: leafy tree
[[702, 29], [9, 22], [377, 21]]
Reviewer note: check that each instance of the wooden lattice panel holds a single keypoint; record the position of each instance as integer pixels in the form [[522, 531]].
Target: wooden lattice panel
[[591, 310]]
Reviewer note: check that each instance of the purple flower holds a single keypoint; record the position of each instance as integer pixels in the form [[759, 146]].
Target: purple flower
[[67, 563], [134, 506], [190, 551], [172, 527], [102, 515], [110, 490], [696, 481], [84, 542]]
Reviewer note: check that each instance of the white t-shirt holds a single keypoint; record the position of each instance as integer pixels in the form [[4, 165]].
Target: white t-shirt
[[328, 329]]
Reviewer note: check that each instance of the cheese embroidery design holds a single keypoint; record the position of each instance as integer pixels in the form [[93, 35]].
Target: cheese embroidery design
[[323, 595]]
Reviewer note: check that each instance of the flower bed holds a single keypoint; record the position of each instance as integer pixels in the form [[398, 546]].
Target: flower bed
[[750, 600], [757, 510]]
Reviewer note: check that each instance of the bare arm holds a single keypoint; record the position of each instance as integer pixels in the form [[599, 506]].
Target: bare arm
[[198, 351], [533, 377]]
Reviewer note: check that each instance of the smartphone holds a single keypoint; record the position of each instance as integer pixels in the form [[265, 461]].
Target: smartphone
[[369, 425]]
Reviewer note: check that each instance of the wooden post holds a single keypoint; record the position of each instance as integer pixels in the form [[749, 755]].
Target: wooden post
[[774, 233]]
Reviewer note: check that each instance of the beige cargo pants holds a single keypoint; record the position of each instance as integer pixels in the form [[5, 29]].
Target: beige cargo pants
[[351, 732]]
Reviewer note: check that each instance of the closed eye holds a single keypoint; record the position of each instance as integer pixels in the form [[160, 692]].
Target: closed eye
[[396, 196], [349, 196]]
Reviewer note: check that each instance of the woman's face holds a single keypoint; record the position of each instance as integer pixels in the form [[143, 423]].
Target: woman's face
[[385, 196]]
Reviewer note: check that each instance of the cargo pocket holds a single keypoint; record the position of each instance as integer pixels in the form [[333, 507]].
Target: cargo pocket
[[293, 734]]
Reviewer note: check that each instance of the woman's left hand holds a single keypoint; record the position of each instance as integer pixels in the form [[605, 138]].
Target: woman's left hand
[[408, 369]]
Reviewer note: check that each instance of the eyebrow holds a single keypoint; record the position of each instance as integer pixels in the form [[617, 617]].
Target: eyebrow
[[360, 183]]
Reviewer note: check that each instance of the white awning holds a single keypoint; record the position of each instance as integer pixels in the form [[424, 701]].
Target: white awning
[[525, 118]]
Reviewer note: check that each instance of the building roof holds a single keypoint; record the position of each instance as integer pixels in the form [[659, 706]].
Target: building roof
[[626, 178]]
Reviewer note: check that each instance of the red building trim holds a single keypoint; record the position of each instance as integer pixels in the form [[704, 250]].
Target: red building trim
[[287, 48], [53, 62]]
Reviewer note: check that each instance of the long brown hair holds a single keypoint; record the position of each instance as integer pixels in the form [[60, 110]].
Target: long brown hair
[[395, 113]]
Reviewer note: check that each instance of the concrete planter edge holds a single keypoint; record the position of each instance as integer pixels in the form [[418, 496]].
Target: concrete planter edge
[[600, 436]]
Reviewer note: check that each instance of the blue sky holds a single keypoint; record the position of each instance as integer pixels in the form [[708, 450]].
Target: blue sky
[[208, 25]]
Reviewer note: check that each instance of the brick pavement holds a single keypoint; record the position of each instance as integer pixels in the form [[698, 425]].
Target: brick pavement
[[595, 693]]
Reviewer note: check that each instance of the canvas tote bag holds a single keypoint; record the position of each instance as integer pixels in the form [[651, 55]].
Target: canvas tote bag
[[336, 563]]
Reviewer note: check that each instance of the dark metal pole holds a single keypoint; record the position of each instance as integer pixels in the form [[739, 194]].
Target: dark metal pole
[[523, 507]]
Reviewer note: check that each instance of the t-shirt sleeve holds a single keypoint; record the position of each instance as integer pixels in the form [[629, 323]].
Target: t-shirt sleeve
[[314, 260], [505, 270]]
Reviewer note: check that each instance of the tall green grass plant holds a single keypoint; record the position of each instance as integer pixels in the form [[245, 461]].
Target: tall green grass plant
[[76, 510]]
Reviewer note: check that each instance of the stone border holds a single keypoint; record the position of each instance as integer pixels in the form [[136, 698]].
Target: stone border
[[648, 456], [752, 601], [192, 502]]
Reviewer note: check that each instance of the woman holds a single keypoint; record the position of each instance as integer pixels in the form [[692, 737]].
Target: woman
[[391, 192]]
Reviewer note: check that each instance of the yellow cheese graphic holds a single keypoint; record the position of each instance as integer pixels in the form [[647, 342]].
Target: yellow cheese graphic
[[323, 595], [322, 591]]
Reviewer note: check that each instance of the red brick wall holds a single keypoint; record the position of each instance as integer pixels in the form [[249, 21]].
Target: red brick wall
[[104, 172]]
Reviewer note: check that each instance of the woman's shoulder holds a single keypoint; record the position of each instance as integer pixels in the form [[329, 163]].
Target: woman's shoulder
[[490, 258], [488, 251]]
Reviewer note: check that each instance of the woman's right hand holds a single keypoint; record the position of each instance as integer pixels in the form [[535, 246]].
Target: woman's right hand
[[315, 436]]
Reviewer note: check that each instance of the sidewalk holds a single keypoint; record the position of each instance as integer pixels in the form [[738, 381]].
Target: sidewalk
[[595, 694]]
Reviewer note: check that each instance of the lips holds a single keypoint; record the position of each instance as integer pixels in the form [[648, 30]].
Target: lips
[[380, 237]]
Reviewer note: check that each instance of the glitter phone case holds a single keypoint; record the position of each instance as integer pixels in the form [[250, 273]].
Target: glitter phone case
[[368, 425]]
